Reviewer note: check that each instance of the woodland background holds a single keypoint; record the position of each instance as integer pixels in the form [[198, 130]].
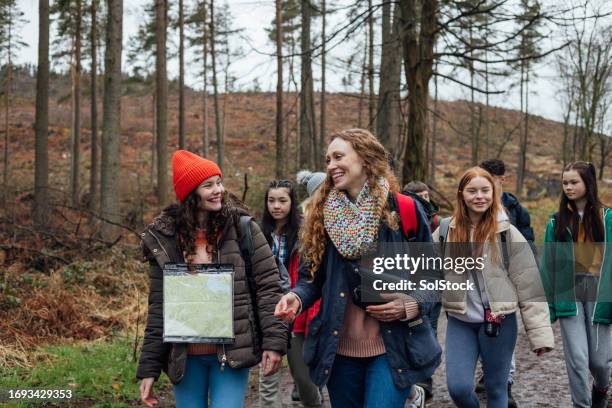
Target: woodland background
[[87, 133]]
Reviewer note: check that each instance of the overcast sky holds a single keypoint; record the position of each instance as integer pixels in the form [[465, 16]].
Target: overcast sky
[[253, 16]]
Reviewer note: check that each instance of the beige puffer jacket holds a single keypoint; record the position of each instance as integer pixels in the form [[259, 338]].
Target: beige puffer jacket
[[518, 288]]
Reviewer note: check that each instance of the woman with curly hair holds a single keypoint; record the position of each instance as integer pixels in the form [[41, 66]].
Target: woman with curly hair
[[204, 228], [367, 355]]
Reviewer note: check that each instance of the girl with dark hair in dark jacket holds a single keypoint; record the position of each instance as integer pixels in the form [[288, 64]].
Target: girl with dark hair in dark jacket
[[281, 222], [202, 229]]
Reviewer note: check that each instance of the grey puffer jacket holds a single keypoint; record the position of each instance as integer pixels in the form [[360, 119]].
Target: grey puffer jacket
[[255, 330]]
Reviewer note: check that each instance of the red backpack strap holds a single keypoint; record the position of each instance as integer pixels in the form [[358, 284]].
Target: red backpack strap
[[407, 211]]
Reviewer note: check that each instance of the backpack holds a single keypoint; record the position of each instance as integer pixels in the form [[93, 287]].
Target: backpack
[[444, 226], [247, 251], [407, 212]]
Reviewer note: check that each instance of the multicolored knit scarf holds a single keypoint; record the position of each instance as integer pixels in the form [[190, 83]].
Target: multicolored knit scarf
[[353, 227]]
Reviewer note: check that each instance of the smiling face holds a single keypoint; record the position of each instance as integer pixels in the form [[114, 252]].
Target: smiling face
[[279, 203], [478, 195], [211, 193], [573, 185], [345, 167]]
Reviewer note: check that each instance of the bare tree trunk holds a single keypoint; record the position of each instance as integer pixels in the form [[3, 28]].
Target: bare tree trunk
[[41, 124], [473, 132], [206, 140], [181, 77], [280, 159], [434, 136], [520, 179], [519, 175], [93, 177], [418, 61], [371, 102], [388, 112], [154, 138], [218, 129], [487, 111], [7, 97], [322, 116], [76, 111], [161, 81], [308, 148], [362, 86], [111, 125]]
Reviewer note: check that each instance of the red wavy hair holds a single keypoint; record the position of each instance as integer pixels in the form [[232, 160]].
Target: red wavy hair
[[486, 229]]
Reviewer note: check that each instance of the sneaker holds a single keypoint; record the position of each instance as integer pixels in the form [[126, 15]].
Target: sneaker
[[599, 397], [428, 387], [480, 385], [295, 395], [511, 401], [419, 398]]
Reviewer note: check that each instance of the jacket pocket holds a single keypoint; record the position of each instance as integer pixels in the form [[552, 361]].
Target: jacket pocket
[[422, 346], [312, 340]]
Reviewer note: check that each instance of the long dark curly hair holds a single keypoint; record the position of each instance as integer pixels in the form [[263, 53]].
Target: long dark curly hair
[[292, 227], [187, 221]]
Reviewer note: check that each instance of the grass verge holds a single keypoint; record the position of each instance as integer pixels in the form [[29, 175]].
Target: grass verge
[[100, 374]]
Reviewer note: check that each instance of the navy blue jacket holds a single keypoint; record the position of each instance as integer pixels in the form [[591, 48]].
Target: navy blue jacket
[[519, 216], [412, 350]]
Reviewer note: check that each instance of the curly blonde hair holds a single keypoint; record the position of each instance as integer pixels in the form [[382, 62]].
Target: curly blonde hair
[[376, 165]]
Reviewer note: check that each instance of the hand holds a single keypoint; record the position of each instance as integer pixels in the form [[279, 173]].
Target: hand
[[542, 350], [287, 307], [395, 309], [146, 392], [271, 362]]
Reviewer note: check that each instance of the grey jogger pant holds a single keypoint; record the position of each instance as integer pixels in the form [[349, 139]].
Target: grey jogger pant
[[586, 345]]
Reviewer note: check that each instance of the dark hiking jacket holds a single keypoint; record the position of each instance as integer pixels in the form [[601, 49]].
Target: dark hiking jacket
[[255, 330]]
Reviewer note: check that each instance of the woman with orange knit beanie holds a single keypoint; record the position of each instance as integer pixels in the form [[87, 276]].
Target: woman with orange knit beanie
[[203, 228]]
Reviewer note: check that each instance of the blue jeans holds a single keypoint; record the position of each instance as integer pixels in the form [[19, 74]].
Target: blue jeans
[[464, 343], [364, 383], [203, 375]]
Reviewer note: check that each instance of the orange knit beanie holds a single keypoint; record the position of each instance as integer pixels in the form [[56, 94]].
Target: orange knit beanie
[[189, 171]]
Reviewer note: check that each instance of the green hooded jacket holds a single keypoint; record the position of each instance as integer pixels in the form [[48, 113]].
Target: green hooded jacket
[[557, 269]]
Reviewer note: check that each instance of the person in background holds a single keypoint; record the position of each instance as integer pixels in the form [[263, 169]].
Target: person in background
[[203, 228], [577, 271], [419, 191], [281, 222], [483, 322], [519, 217]]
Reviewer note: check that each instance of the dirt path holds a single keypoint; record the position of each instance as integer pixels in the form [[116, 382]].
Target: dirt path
[[539, 381]]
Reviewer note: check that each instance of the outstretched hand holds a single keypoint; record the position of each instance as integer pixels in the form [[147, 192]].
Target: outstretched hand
[[287, 307]]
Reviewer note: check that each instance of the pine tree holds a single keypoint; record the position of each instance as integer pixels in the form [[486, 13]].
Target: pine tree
[[11, 19], [41, 123]]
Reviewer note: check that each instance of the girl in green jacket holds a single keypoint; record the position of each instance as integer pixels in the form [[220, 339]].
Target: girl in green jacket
[[577, 274]]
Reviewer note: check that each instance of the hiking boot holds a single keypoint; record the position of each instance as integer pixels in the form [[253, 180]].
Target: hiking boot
[[511, 401], [295, 395], [599, 397], [418, 401], [480, 385]]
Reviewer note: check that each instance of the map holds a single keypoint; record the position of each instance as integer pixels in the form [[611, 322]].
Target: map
[[198, 308]]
